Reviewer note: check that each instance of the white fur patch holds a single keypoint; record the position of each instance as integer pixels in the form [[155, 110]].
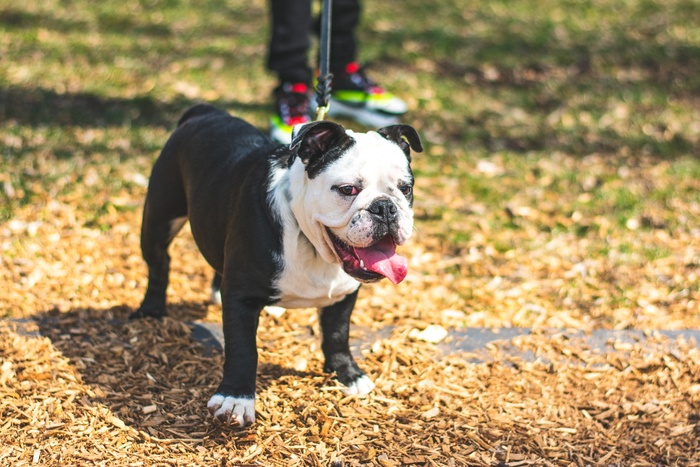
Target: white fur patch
[[312, 274], [308, 278], [232, 409], [276, 311], [360, 387], [380, 167], [215, 297]]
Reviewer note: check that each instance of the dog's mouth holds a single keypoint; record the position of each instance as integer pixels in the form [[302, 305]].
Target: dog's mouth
[[372, 263]]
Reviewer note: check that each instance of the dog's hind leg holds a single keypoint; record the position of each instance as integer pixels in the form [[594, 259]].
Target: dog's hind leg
[[164, 215]]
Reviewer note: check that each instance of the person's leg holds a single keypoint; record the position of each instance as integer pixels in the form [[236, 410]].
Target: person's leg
[[344, 21], [289, 41], [288, 58], [354, 94]]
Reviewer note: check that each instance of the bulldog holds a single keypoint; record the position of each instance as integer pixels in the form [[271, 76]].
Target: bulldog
[[293, 226]]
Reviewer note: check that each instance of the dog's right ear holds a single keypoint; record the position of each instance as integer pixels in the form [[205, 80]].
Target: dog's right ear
[[318, 144]]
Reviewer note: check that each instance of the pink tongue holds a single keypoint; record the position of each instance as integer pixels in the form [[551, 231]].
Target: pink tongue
[[382, 259]]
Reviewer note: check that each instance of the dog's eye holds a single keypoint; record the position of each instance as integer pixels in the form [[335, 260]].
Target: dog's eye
[[347, 190], [406, 190]]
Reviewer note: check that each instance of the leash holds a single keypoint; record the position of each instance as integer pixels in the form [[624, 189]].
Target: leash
[[323, 90]]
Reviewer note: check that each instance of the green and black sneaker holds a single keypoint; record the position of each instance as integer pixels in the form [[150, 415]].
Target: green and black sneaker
[[291, 108], [354, 95]]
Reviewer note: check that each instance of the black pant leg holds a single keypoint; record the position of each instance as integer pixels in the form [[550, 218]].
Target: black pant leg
[[345, 18], [289, 41]]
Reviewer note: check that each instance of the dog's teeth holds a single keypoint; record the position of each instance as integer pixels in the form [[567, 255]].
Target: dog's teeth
[[362, 265]]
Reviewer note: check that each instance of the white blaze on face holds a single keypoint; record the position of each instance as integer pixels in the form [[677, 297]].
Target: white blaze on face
[[376, 166]]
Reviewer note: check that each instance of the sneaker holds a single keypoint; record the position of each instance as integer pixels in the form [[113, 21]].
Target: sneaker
[[355, 95], [292, 108]]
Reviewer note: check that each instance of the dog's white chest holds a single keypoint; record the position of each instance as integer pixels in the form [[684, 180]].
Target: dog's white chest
[[307, 281]]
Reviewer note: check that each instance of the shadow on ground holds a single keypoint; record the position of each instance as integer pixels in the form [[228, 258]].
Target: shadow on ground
[[37, 106], [154, 375]]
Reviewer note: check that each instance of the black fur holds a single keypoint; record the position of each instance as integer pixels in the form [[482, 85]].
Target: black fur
[[319, 144], [195, 177], [397, 133], [214, 170]]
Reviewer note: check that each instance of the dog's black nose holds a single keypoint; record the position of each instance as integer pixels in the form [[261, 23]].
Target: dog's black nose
[[384, 209]]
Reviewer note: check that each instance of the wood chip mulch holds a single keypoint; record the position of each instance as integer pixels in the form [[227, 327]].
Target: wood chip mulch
[[90, 388]]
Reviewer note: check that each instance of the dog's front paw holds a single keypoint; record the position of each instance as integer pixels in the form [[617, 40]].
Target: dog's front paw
[[360, 387], [347, 373], [232, 409]]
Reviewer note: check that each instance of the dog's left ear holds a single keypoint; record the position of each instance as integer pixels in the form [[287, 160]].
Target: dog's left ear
[[317, 144], [405, 136]]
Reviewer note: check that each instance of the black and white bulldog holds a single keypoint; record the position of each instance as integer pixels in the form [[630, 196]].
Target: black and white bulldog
[[293, 226]]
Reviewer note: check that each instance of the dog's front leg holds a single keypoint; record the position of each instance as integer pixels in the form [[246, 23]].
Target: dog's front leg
[[234, 400], [335, 325]]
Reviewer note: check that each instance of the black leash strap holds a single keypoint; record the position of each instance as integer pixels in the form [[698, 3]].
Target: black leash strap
[[323, 90]]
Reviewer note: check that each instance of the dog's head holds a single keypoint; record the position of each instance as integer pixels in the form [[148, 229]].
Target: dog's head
[[352, 195]]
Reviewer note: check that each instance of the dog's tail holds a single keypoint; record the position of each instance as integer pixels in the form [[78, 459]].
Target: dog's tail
[[197, 111]]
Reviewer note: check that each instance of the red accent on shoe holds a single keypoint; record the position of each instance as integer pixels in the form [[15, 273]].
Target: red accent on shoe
[[297, 120], [300, 88], [352, 67]]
